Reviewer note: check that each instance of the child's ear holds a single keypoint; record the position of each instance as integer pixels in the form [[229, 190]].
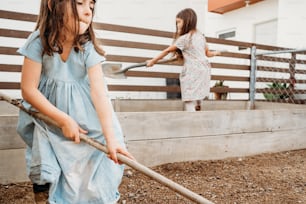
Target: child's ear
[[50, 5]]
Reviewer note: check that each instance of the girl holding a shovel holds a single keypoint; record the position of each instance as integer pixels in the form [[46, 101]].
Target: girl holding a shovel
[[62, 78], [195, 75]]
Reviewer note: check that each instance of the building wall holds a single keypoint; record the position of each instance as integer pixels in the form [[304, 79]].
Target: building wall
[[289, 14], [242, 20], [292, 23]]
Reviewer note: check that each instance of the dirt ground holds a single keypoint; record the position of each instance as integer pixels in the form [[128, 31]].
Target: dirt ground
[[268, 178]]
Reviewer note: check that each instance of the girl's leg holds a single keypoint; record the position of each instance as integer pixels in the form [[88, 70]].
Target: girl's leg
[[198, 105], [41, 193], [189, 106]]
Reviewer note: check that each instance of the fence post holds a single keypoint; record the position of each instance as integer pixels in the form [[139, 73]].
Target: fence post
[[252, 91], [292, 79]]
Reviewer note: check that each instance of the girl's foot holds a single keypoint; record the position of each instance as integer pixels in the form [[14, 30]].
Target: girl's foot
[[198, 107]]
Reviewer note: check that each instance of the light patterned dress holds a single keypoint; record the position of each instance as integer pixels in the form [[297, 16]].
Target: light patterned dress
[[195, 75]]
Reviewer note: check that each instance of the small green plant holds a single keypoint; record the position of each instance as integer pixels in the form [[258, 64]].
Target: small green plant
[[219, 83], [220, 95], [277, 87]]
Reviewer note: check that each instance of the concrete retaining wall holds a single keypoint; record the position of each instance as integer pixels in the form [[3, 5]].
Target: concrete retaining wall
[[158, 131]]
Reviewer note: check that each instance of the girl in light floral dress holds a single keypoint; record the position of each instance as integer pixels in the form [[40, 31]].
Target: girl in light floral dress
[[195, 75]]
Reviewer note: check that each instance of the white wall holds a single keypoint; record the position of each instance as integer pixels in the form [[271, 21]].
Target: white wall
[[157, 14], [290, 16], [242, 20], [292, 23], [28, 6]]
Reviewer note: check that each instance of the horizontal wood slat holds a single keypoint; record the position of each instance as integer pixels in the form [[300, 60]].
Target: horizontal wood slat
[[229, 90], [171, 89], [268, 47], [298, 81], [300, 71], [144, 88], [176, 89], [14, 33], [273, 59], [152, 74], [280, 91], [121, 58], [271, 80], [8, 51], [10, 68], [9, 85], [235, 55], [297, 61], [272, 69], [133, 59], [18, 16], [229, 78], [176, 76], [230, 66], [130, 44], [132, 30], [293, 101], [228, 42]]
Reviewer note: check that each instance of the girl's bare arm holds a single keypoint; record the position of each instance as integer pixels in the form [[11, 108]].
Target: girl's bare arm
[[104, 110], [210, 53], [164, 53]]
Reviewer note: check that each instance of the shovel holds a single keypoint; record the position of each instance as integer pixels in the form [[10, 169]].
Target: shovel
[[114, 70]]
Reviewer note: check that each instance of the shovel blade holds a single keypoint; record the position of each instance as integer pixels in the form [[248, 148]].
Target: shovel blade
[[113, 70], [119, 75]]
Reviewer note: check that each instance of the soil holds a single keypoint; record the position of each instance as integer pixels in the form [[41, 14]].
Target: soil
[[267, 178]]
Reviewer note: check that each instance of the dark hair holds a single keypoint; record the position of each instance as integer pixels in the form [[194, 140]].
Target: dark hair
[[189, 18], [50, 23]]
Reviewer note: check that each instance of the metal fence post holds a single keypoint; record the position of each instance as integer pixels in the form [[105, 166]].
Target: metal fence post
[[252, 91]]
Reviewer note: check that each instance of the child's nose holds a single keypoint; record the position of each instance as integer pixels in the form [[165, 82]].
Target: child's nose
[[87, 12]]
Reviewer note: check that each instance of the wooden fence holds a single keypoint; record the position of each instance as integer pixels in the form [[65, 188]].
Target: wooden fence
[[233, 66], [283, 74]]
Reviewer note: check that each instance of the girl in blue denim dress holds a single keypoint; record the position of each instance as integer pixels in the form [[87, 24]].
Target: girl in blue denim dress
[[62, 79]]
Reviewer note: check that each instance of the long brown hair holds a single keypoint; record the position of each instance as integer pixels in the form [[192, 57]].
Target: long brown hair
[[51, 22], [189, 18]]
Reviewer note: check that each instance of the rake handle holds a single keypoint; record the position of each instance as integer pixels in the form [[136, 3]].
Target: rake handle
[[132, 163]]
